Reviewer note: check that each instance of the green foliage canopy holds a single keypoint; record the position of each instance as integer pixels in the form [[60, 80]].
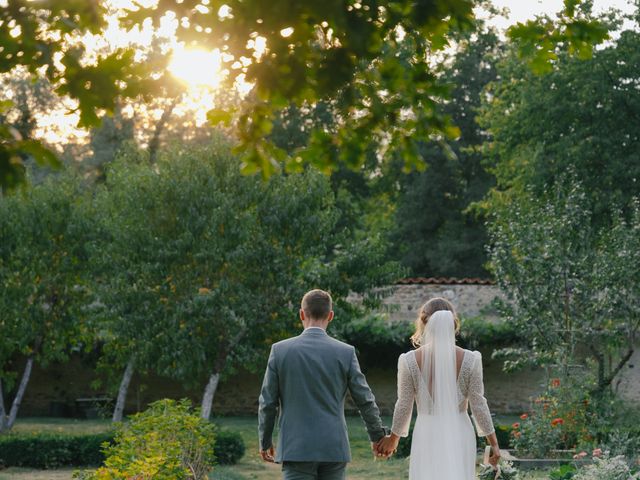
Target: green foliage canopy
[[572, 287]]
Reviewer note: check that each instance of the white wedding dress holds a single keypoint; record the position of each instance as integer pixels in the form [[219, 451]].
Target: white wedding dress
[[444, 443]]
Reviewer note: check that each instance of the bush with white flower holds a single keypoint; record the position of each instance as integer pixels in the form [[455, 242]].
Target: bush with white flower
[[607, 468]]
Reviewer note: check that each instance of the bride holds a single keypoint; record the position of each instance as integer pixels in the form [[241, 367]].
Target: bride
[[444, 380]]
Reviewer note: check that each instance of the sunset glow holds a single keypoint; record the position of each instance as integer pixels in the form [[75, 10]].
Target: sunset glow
[[196, 67]]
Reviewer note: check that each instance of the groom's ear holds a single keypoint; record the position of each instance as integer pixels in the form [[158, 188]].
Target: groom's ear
[[330, 317], [301, 313]]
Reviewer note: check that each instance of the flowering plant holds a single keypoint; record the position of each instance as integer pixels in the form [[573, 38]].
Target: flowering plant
[[605, 467], [560, 419]]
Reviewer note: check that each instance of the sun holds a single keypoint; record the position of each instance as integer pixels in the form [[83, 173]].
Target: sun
[[197, 68]]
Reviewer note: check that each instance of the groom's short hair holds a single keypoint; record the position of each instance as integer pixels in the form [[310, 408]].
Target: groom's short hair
[[317, 304]]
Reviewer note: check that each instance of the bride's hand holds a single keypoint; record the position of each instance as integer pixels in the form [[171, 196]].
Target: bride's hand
[[494, 458], [387, 445]]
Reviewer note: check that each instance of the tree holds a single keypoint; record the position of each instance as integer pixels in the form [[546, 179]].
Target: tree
[[314, 51], [42, 251], [47, 39], [435, 233], [578, 117], [571, 287], [347, 52], [203, 266]]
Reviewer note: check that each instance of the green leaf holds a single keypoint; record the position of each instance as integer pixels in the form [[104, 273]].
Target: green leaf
[[40, 153], [217, 115]]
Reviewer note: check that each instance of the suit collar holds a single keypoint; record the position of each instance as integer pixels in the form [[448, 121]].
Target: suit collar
[[314, 331]]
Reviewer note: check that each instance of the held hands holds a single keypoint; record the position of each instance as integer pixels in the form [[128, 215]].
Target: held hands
[[386, 446]]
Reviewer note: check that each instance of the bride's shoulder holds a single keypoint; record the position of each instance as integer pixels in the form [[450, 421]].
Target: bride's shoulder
[[473, 354], [408, 356]]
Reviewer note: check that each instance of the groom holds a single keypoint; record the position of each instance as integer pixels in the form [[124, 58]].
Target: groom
[[307, 379]]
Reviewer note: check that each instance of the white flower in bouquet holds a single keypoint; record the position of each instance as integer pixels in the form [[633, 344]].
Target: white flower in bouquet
[[505, 471]]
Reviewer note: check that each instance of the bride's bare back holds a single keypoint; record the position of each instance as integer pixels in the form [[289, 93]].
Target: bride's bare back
[[459, 359]]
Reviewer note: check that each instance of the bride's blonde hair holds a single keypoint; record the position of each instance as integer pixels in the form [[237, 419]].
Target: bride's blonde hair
[[432, 306]]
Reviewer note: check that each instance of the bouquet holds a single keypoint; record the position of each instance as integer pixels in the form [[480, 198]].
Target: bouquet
[[505, 471]]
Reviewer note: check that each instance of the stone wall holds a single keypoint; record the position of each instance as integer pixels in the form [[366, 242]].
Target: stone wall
[[470, 300]]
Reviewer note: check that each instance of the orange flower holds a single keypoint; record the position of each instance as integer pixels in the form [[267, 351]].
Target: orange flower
[[517, 434], [555, 382], [556, 422], [515, 426], [524, 416]]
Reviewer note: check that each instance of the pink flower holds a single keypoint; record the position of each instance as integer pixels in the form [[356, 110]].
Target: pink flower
[[580, 455], [515, 426], [524, 416]]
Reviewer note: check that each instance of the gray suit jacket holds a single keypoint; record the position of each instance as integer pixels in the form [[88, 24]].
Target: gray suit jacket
[[307, 379]]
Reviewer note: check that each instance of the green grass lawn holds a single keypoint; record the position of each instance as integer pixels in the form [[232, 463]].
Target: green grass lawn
[[251, 467]]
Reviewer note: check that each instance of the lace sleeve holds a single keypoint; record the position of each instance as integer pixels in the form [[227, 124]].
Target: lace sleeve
[[404, 405], [477, 401]]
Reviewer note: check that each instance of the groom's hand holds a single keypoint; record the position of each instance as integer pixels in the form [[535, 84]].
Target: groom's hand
[[268, 455]]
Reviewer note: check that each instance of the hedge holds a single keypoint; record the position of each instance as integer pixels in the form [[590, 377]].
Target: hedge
[[229, 447], [53, 450]]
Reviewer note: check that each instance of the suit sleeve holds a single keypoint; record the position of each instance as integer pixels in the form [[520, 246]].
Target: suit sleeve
[[365, 401], [268, 403]]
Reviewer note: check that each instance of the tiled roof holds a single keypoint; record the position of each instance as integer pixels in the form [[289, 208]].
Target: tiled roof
[[445, 281]]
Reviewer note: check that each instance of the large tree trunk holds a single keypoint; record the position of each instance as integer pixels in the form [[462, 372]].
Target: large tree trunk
[[214, 379], [209, 393], [122, 391], [17, 401], [154, 143], [3, 412]]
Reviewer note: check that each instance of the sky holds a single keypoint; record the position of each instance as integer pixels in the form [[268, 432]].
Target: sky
[[523, 10]]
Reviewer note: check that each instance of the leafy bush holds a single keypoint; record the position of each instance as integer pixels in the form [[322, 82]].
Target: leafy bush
[[477, 333], [376, 339], [565, 417], [607, 468], [229, 447], [563, 472], [404, 446], [165, 442], [503, 433], [52, 450]]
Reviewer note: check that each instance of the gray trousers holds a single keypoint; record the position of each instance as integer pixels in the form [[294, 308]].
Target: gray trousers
[[314, 470]]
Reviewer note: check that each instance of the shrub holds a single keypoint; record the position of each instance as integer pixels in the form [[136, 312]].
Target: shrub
[[229, 447], [607, 468], [477, 333], [51, 450], [503, 433], [565, 417], [376, 339], [165, 442], [563, 472], [404, 446]]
